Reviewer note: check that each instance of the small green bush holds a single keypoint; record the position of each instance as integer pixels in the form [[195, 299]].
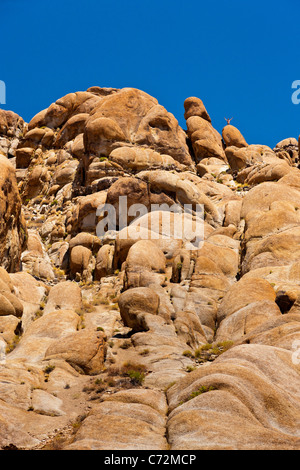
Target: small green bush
[[50, 368], [200, 391], [188, 353]]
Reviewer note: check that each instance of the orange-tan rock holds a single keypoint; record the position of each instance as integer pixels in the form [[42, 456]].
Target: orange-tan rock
[[165, 340]]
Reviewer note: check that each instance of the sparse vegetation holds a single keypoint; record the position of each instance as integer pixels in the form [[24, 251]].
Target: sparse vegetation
[[169, 386], [200, 391], [136, 372], [145, 352], [126, 345], [190, 368], [188, 353], [48, 369], [209, 352], [13, 344]]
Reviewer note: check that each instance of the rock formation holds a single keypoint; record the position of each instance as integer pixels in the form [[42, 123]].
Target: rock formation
[[187, 342]]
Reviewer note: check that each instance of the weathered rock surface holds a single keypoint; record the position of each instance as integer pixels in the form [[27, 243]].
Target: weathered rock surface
[[232, 137], [243, 389], [12, 226]]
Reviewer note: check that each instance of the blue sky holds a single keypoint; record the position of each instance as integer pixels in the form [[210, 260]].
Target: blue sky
[[239, 57]]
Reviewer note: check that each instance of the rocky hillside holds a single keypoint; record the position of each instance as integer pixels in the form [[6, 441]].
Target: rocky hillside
[[139, 342]]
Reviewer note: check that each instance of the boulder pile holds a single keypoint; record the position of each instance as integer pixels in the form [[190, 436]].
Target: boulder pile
[[124, 324]]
